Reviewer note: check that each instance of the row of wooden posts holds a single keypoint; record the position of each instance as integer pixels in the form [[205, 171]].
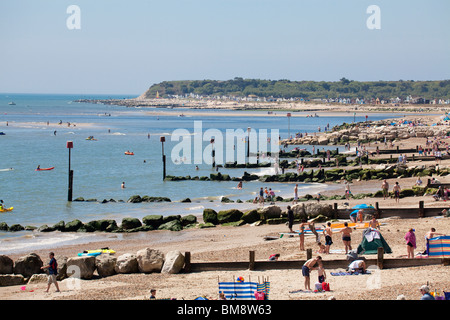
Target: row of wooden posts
[[260, 265], [380, 261]]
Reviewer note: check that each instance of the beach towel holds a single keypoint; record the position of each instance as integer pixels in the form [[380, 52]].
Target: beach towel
[[344, 273], [439, 247], [239, 290]]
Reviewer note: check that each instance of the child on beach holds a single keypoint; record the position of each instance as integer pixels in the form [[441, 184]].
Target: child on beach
[[322, 276], [328, 232], [52, 272], [322, 248]]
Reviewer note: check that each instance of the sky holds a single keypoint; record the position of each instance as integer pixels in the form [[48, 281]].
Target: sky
[[123, 47]]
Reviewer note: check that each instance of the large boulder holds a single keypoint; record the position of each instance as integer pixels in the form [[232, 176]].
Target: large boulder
[[188, 220], [174, 262], [149, 260], [6, 265], [231, 215], [269, 212], [173, 225], [11, 280], [127, 263], [73, 225], [210, 215], [81, 267], [311, 210], [28, 265], [106, 265], [153, 220], [251, 216], [130, 223]]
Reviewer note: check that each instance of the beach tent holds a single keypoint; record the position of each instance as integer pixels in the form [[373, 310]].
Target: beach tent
[[439, 247], [371, 241]]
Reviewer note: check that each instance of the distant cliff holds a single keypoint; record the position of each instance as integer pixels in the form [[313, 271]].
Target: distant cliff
[[412, 91]]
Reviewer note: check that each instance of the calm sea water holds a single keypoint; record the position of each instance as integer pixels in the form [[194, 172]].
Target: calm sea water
[[100, 166]]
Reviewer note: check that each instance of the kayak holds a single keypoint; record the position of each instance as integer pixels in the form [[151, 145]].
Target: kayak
[[45, 169], [101, 251], [129, 153], [92, 254], [7, 209], [95, 253]]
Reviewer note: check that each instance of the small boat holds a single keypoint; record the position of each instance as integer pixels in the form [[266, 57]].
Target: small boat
[[12, 103], [2, 133], [45, 169], [6, 209], [128, 153]]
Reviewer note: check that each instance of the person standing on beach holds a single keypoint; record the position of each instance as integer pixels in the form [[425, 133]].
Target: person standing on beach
[[306, 270], [396, 190], [346, 238], [261, 196], [328, 233], [385, 188], [410, 238], [295, 194], [52, 272], [290, 215], [347, 190], [302, 234]]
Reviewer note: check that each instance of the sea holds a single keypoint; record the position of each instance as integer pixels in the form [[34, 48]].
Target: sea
[[37, 127]]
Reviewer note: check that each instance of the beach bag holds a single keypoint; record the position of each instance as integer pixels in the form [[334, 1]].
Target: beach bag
[[318, 286], [260, 295], [325, 286]]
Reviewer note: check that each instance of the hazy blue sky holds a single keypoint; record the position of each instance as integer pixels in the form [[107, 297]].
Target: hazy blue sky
[[125, 46]]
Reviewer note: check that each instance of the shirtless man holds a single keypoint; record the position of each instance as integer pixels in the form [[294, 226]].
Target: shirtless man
[[328, 233], [346, 237], [431, 234], [374, 223], [306, 269]]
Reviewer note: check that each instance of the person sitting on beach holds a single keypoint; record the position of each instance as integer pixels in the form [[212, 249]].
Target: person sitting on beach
[[274, 257], [322, 248], [357, 266], [425, 291], [374, 223], [429, 235]]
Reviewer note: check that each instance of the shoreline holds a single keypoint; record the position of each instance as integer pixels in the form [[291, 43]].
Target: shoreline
[[229, 243]]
